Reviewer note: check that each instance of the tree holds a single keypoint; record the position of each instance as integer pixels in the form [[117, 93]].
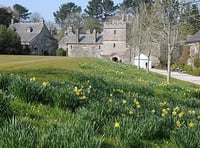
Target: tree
[[5, 17], [35, 17], [108, 8], [68, 15], [51, 27], [94, 9], [21, 12], [9, 41], [194, 17]]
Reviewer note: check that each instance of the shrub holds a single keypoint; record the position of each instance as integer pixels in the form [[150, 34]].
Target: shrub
[[60, 52], [197, 62]]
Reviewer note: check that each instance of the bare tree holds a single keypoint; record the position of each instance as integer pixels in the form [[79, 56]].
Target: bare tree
[[35, 17]]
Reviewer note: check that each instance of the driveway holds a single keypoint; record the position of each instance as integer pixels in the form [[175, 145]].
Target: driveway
[[180, 76]]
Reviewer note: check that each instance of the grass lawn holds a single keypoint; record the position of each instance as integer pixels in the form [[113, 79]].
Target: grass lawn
[[89, 102]]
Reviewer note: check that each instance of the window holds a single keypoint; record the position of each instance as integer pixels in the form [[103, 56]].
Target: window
[[114, 45], [29, 29], [115, 31]]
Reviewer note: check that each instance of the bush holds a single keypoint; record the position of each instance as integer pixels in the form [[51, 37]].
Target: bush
[[60, 52], [197, 62]]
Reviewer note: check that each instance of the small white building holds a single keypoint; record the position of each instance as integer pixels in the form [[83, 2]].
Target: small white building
[[143, 61]]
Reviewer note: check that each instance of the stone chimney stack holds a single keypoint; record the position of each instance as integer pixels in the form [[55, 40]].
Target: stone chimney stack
[[77, 35], [95, 36], [12, 21]]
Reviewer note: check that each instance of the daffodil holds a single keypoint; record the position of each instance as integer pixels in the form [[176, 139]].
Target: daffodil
[[45, 84], [191, 112], [124, 101], [198, 117], [178, 123], [123, 115], [116, 125], [110, 100], [83, 97], [32, 79], [176, 108], [138, 106], [131, 112], [174, 113], [181, 114], [191, 124], [153, 111]]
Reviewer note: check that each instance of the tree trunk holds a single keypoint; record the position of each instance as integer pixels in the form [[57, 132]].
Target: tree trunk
[[169, 64]]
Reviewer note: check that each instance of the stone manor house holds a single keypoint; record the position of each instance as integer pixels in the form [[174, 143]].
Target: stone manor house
[[35, 38], [111, 44]]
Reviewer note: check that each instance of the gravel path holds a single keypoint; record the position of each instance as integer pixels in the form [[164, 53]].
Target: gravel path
[[180, 76]]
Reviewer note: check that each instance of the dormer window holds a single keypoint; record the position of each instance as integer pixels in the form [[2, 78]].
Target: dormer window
[[29, 29]]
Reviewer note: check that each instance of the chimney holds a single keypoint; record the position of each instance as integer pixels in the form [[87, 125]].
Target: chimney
[[95, 36], [12, 21], [77, 35]]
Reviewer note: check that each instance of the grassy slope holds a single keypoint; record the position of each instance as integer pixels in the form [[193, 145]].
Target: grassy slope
[[115, 75], [58, 68]]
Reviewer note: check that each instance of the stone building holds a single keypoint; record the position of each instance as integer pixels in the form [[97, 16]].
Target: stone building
[[110, 44], [35, 38], [191, 49]]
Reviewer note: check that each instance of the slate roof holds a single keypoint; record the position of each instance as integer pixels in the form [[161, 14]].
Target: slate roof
[[21, 29], [194, 38], [83, 38]]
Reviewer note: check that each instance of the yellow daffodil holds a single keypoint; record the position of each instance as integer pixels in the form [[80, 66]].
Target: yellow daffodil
[[191, 124], [111, 95], [45, 84], [176, 108], [83, 97], [110, 100], [123, 115], [116, 125], [124, 101], [131, 112], [181, 114], [178, 124], [191, 112], [137, 103], [153, 111], [32, 79], [138, 106], [198, 117], [174, 113]]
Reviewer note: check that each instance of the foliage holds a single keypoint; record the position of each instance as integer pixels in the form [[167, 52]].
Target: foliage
[[9, 41], [68, 15], [96, 103], [5, 17], [60, 52], [98, 9], [22, 12]]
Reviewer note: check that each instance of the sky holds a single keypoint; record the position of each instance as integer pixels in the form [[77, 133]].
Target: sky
[[46, 7]]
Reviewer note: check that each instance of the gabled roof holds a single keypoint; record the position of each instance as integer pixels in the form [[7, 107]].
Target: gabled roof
[[194, 38], [86, 38], [27, 31]]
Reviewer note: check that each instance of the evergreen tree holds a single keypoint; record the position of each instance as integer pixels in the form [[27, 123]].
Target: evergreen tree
[[5, 17], [9, 41], [94, 9], [194, 17], [68, 15], [108, 8], [22, 12]]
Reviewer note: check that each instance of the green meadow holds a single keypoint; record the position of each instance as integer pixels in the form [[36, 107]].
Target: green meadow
[[88, 102]]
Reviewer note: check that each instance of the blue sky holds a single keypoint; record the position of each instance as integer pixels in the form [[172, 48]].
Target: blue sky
[[46, 7]]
